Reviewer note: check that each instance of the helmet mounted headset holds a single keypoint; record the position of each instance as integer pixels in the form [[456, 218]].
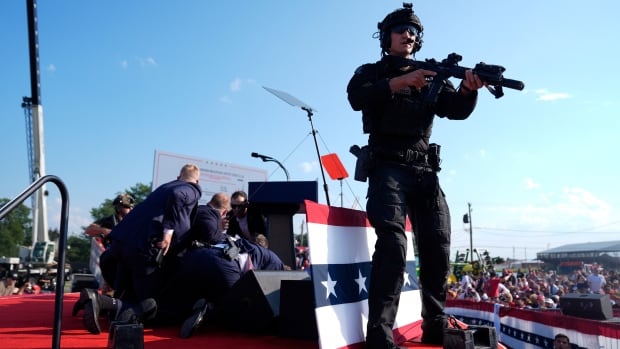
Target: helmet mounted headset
[[123, 200], [400, 20]]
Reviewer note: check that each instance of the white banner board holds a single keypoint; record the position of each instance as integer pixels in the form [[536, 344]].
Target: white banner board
[[215, 176]]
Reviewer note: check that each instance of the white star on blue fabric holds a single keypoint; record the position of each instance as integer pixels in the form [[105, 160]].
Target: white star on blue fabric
[[330, 285], [361, 282], [406, 280]]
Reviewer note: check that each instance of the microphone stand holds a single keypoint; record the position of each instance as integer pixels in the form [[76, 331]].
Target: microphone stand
[[269, 158], [316, 145], [297, 103]]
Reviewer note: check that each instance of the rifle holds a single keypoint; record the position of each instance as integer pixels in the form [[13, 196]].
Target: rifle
[[448, 67]]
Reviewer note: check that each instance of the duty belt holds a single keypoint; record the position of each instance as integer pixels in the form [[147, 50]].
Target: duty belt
[[406, 155]]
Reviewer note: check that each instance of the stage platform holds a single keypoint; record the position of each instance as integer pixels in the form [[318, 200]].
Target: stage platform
[[26, 322]]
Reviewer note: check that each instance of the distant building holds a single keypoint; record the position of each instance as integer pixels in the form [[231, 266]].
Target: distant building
[[574, 256]]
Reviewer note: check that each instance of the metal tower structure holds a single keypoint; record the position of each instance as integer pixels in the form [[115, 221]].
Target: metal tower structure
[[33, 111]]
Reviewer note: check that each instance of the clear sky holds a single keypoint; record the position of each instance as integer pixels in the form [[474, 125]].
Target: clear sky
[[121, 79]]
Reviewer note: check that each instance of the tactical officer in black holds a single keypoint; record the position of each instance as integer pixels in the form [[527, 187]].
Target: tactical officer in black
[[402, 171]]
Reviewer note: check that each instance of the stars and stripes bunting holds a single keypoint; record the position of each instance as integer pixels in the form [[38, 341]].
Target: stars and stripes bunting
[[341, 242]]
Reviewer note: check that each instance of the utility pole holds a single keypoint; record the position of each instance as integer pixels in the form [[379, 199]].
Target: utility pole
[[467, 219]]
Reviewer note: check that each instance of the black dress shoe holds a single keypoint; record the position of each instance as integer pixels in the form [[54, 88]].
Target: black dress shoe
[[200, 312], [141, 312], [85, 295], [91, 315]]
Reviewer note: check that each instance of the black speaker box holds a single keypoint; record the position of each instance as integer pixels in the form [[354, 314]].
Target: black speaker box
[[589, 306], [126, 335], [253, 303], [297, 317]]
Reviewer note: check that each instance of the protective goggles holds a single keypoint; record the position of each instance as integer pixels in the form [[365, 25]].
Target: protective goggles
[[401, 28]]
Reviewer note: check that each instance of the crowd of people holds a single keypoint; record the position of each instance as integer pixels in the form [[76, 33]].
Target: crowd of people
[[12, 284], [535, 289]]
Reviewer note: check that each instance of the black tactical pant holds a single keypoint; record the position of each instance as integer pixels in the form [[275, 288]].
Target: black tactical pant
[[394, 191]]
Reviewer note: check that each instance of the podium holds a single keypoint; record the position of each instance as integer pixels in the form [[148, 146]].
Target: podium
[[279, 202]]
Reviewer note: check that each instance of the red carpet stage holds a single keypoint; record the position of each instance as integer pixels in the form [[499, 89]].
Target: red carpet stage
[[26, 322]]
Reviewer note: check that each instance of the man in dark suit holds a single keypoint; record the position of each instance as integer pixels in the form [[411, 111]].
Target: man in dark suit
[[153, 228], [134, 263], [211, 222], [246, 220]]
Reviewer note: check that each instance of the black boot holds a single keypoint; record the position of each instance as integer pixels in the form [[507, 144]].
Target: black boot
[[200, 312], [86, 294], [91, 312], [97, 304], [140, 312]]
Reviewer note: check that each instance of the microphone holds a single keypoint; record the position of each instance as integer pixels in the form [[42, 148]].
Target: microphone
[[410, 41], [262, 157], [269, 158]]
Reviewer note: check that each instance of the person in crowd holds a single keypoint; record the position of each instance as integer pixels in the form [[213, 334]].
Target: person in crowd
[[29, 288], [8, 286], [402, 173], [549, 303], [467, 280], [481, 281], [596, 281], [145, 247], [504, 292], [520, 303], [561, 341], [470, 294], [581, 285], [492, 287], [246, 220], [509, 276]]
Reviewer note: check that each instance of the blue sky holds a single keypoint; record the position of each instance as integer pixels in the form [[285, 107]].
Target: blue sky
[[121, 79]]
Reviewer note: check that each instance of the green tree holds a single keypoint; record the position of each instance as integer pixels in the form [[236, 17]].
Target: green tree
[[14, 228], [79, 249], [139, 192], [498, 260]]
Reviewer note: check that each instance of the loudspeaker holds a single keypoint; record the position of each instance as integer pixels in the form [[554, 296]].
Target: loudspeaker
[[253, 303], [297, 317], [589, 306]]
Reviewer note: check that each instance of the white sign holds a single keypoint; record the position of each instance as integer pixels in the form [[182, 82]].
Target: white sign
[[215, 176]]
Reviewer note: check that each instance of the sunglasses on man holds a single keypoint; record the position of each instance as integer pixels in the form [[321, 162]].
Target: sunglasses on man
[[399, 29]]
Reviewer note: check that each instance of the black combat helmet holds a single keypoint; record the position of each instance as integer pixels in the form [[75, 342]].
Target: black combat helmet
[[402, 16], [123, 200]]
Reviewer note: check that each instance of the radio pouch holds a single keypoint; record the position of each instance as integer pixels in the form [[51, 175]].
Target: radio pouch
[[361, 165]]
